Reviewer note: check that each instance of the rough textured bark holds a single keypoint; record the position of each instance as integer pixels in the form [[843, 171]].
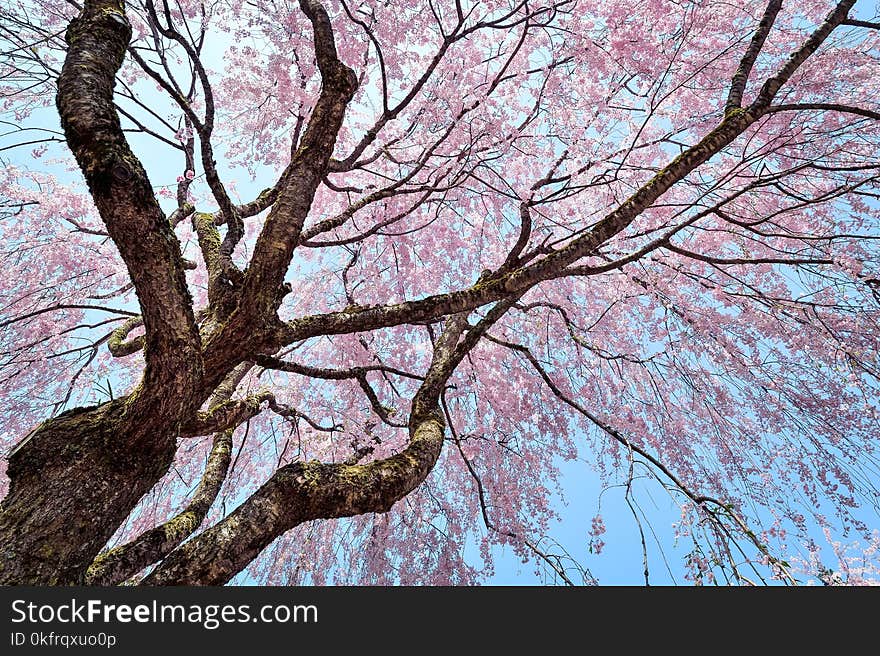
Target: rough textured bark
[[254, 326], [123, 195], [73, 482], [297, 493], [118, 565]]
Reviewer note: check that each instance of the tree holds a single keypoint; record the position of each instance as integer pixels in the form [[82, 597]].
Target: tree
[[498, 235]]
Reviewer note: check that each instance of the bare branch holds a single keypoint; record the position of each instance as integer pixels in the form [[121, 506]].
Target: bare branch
[[825, 107]]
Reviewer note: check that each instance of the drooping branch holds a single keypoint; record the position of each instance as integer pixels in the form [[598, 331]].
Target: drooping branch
[[65, 306], [390, 113], [355, 373], [706, 504], [523, 278], [791, 261], [551, 561]]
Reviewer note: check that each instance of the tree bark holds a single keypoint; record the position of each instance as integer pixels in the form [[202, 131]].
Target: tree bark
[[74, 480]]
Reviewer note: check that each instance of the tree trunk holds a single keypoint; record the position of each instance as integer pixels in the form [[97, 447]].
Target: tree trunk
[[74, 480]]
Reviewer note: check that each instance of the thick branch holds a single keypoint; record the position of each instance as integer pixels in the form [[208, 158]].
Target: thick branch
[[225, 416], [117, 344], [300, 492], [281, 232], [836, 17], [297, 493], [97, 41], [825, 107], [211, 246], [121, 563], [741, 77], [860, 23]]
